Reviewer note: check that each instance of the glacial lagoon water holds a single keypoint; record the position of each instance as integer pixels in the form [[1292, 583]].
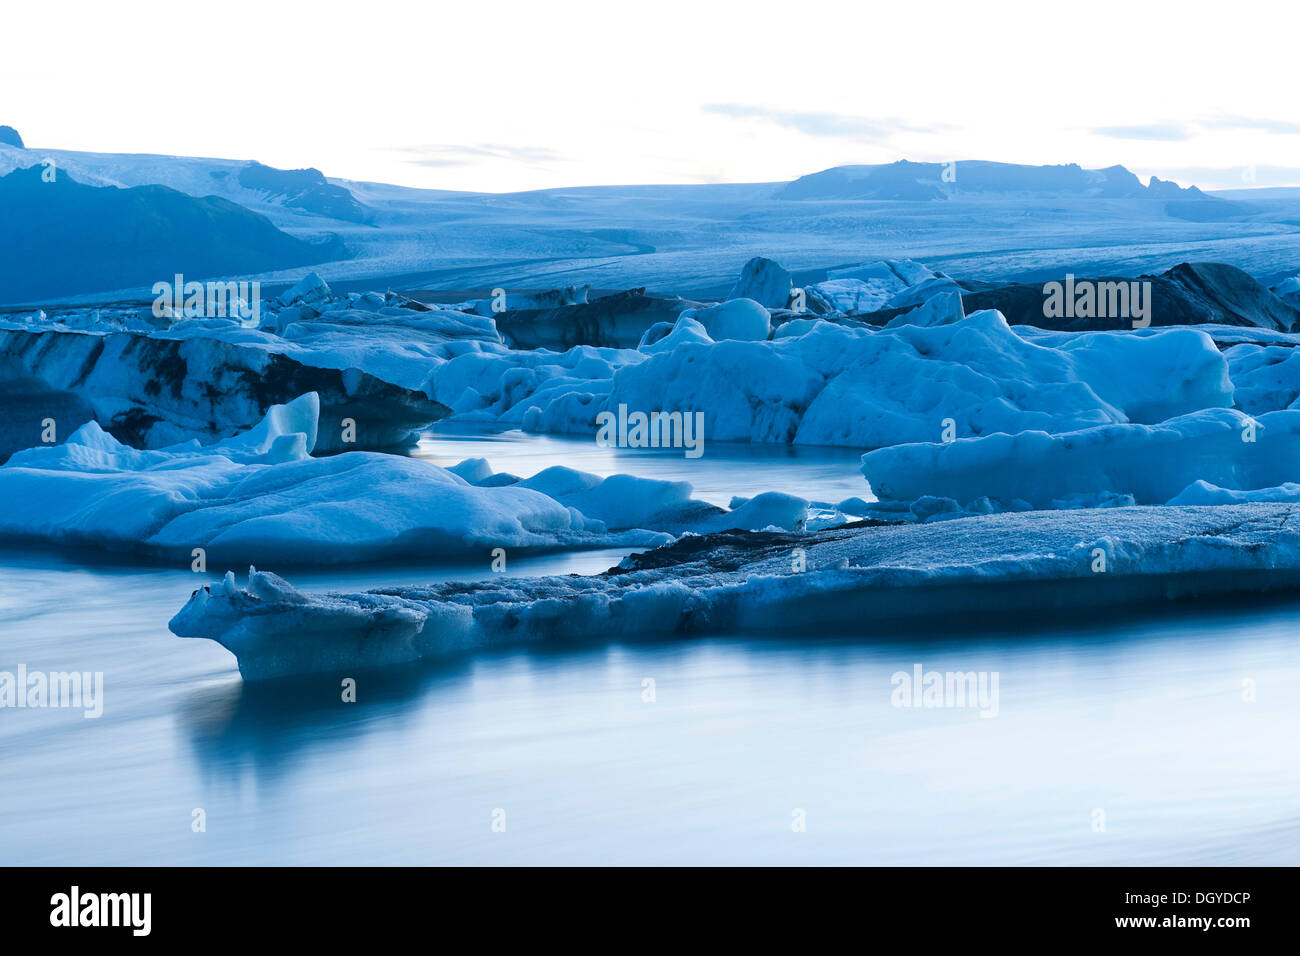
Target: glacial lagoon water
[[1165, 738], [726, 469]]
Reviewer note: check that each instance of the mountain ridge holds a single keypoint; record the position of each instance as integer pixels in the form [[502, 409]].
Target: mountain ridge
[[906, 180], [61, 237]]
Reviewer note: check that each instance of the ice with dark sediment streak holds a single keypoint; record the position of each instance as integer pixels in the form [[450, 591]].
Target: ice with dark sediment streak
[[859, 579]]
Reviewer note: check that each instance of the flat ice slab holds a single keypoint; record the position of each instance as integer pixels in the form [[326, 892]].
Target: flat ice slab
[[854, 579]]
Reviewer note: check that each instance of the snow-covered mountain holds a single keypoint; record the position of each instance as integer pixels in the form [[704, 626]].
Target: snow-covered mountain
[[906, 180]]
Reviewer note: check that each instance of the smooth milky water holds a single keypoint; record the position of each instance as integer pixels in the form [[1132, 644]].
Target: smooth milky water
[[1114, 742]]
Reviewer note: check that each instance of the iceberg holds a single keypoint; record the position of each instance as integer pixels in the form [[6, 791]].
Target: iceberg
[[764, 282], [942, 308], [1153, 464], [310, 290], [208, 379], [261, 496], [826, 384], [394, 366], [742, 319]]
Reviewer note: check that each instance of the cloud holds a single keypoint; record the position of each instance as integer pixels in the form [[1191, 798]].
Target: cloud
[[1280, 127], [442, 155], [1159, 131], [1177, 132], [837, 125], [1234, 177]]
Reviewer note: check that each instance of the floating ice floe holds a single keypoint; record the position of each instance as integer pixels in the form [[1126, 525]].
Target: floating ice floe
[[1148, 464], [310, 290], [857, 579], [260, 496], [1204, 493]]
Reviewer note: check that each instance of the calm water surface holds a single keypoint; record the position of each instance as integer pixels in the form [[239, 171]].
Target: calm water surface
[[724, 469]]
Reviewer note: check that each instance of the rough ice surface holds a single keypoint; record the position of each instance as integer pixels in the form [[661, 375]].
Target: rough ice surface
[[260, 495], [857, 579], [1267, 377]]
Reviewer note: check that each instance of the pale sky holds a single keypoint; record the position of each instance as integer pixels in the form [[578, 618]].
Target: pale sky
[[506, 95]]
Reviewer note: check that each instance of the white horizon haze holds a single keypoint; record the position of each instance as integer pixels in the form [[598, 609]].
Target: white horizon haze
[[506, 96]]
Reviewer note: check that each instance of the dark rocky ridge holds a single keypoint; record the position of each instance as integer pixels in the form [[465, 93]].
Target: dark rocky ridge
[[305, 189]]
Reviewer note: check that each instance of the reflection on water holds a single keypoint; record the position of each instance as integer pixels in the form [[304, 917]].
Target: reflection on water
[[1144, 721]]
